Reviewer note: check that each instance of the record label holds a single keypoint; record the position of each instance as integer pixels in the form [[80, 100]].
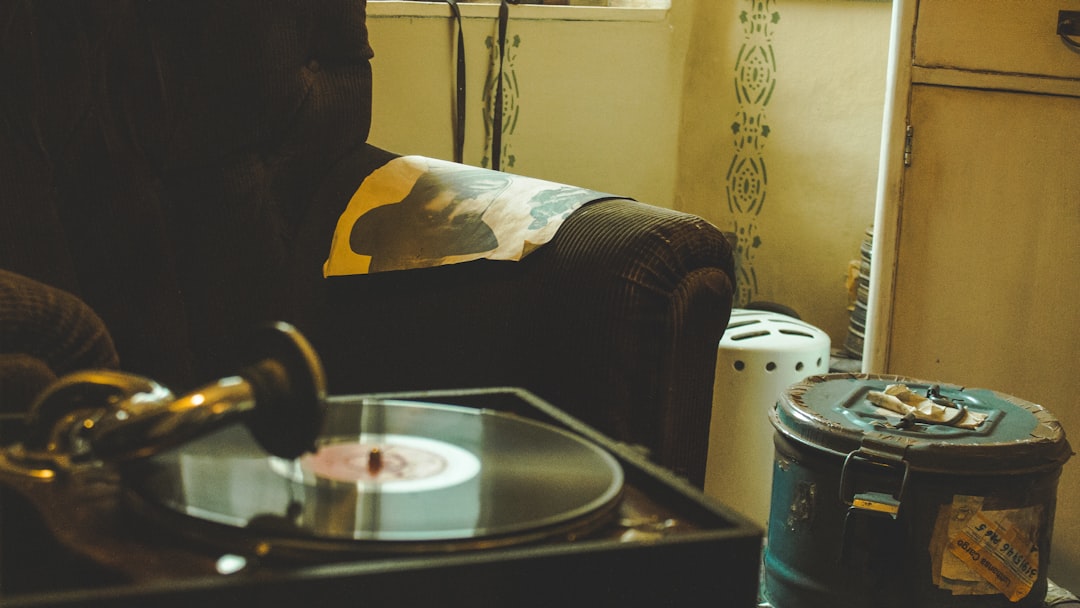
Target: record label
[[386, 463]]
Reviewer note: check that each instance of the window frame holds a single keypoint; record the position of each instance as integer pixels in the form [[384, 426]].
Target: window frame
[[655, 11]]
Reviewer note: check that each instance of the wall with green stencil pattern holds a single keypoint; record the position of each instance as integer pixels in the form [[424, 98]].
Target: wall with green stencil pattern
[[782, 111]]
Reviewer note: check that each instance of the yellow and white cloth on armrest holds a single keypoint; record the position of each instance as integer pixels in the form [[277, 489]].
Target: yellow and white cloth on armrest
[[416, 212]]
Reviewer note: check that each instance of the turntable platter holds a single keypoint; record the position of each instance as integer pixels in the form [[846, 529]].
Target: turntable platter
[[387, 476]]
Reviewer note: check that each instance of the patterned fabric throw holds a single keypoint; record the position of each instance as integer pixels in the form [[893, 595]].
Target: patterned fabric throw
[[417, 212]]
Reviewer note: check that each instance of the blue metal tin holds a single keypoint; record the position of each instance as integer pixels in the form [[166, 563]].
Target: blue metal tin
[[871, 509]]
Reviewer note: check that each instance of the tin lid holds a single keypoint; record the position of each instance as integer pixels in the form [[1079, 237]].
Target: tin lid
[[832, 412]]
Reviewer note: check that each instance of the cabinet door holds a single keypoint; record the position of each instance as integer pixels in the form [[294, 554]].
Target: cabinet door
[[987, 286]]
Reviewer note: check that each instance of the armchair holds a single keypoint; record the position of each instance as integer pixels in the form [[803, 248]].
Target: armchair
[[177, 168]]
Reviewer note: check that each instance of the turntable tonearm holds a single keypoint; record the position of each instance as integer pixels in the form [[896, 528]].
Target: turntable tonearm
[[120, 493]]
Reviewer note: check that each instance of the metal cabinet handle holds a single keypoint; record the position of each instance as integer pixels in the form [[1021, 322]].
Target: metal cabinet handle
[[1069, 26]]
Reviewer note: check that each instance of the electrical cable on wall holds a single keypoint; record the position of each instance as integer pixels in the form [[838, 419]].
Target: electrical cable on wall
[[496, 131], [459, 119], [459, 123]]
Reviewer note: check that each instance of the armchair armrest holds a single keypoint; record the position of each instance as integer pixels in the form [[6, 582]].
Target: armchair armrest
[[646, 295]]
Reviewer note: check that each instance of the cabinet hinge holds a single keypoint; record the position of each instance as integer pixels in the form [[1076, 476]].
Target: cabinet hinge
[[907, 145]]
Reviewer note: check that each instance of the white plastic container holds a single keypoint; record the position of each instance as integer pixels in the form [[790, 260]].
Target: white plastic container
[[760, 355]]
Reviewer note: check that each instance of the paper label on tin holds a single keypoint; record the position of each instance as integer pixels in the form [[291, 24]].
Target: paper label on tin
[[983, 551]]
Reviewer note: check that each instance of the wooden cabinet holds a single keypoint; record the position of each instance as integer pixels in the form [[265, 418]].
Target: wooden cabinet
[[987, 283], [976, 276]]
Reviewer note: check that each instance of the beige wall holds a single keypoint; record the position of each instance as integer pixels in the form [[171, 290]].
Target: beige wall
[[596, 102], [820, 154]]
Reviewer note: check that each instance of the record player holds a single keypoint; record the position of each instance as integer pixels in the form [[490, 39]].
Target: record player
[[260, 489]]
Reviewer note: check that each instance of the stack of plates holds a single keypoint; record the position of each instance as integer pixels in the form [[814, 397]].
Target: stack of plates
[[856, 335]]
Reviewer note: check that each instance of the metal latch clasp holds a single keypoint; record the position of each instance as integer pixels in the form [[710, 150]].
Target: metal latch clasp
[[872, 481], [872, 485]]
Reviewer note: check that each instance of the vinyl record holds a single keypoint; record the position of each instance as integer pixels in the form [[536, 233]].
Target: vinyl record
[[387, 477]]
